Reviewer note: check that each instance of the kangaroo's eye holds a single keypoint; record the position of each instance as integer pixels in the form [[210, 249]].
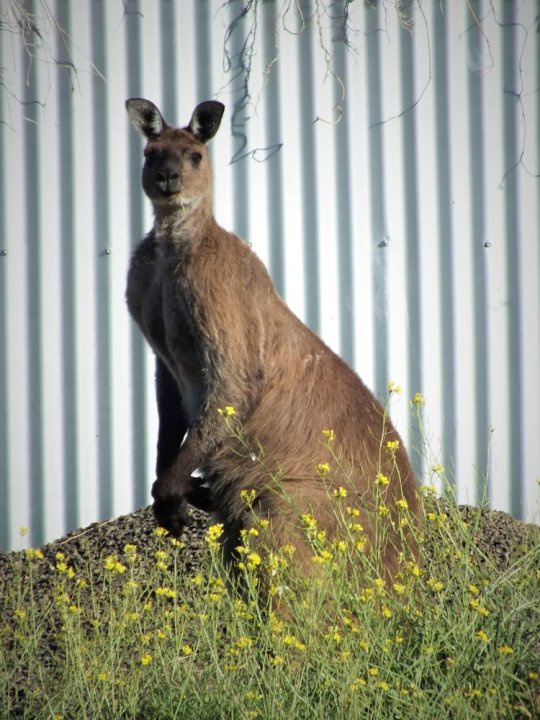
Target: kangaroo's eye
[[195, 158]]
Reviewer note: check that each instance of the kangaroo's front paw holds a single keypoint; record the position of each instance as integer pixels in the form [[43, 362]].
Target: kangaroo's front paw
[[170, 508]]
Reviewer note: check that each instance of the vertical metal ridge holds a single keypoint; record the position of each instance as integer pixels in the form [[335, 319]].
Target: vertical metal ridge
[[169, 60], [513, 239], [342, 173], [103, 299], [475, 43], [5, 489], [139, 408], [410, 181], [377, 198], [34, 290], [309, 172], [202, 33], [274, 162], [239, 93], [446, 269], [69, 295]]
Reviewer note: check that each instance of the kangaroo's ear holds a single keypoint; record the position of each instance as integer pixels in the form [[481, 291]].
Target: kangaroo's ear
[[206, 120], [145, 117]]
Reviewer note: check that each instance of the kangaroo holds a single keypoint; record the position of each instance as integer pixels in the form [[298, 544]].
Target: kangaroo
[[224, 339]]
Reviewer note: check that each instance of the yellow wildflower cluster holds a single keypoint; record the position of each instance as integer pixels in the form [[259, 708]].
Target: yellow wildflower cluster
[[166, 592], [213, 535], [227, 411], [113, 565], [34, 554], [248, 496], [162, 557], [62, 567]]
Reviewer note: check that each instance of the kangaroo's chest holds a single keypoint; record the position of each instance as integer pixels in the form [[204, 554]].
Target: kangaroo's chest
[[162, 303]]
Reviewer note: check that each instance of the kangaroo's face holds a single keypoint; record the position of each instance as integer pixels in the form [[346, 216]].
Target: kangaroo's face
[[176, 170]]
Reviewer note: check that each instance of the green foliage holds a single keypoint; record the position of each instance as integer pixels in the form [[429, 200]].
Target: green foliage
[[453, 634]]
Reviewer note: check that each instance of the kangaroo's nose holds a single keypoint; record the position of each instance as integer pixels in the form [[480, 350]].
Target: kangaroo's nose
[[168, 180]]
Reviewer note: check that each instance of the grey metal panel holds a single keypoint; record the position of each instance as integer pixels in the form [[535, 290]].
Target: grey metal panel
[[406, 232]]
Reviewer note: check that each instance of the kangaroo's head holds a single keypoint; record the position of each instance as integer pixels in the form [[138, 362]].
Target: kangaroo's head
[[176, 172]]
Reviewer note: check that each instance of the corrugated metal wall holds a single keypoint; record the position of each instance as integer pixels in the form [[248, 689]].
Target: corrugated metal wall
[[383, 164]]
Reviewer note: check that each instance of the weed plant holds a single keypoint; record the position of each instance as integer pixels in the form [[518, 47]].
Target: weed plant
[[452, 635]]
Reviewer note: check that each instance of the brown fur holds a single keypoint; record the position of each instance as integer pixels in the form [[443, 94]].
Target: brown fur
[[223, 337]]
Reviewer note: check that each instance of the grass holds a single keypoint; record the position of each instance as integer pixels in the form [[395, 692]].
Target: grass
[[127, 635]]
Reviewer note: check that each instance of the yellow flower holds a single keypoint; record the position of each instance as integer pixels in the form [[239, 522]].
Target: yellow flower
[[213, 534], [340, 492], [160, 532], [20, 614], [228, 410], [34, 554], [253, 560], [330, 435], [323, 557], [382, 685], [248, 496], [394, 388], [506, 650], [146, 659], [323, 468], [289, 549], [383, 510], [437, 468], [103, 676], [309, 521], [112, 564], [166, 592], [373, 671], [292, 641], [392, 444], [403, 504], [473, 589], [278, 660], [418, 399], [435, 585], [187, 650], [478, 607], [399, 588], [381, 479], [357, 684], [244, 642], [482, 636]]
